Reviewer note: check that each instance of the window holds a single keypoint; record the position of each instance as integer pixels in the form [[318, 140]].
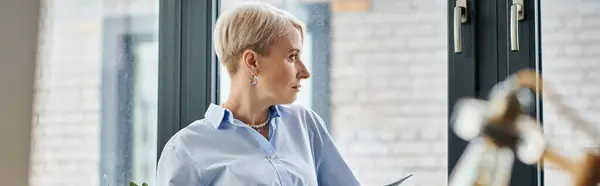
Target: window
[[379, 79], [96, 100], [558, 39]]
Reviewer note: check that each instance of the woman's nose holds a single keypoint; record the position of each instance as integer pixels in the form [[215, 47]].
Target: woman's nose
[[304, 73]]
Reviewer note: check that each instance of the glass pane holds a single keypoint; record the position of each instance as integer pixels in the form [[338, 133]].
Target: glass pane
[[570, 44], [96, 93], [379, 79]]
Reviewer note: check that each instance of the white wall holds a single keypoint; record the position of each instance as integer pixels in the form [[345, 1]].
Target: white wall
[[18, 48], [570, 63]]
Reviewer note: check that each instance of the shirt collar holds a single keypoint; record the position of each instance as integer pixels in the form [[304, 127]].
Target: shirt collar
[[218, 115]]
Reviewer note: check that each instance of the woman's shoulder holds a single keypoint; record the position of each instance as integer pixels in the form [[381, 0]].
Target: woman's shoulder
[[190, 136], [296, 110], [306, 115]]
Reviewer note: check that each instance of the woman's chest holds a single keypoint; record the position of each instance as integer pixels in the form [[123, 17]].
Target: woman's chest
[[286, 160], [261, 170]]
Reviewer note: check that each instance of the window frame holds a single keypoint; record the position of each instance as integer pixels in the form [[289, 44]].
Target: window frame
[[117, 94], [510, 62], [488, 60], [462, 73], [187, 67], [318, 23], [528, 56]]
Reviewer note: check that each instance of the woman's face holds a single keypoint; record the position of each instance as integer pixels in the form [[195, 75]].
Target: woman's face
[[281, 70]]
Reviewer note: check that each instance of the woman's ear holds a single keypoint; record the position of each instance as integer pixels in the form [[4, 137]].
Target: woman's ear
[[249, 60]]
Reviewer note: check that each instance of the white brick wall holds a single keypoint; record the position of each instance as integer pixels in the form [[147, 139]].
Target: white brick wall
[[67, 132], [570, 58], [389, 91]]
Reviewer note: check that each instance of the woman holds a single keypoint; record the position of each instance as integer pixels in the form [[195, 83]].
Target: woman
[[256, 137]]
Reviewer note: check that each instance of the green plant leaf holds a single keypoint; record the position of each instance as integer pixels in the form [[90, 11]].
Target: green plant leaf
[[132, 184], [144, 184]]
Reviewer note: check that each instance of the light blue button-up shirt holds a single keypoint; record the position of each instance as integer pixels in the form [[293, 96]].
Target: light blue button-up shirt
[[220, 150]]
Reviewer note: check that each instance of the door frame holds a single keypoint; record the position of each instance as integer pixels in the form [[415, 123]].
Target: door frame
[[486, 59]]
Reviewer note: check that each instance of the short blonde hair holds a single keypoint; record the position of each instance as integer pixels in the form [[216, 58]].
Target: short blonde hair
[[252, 25]]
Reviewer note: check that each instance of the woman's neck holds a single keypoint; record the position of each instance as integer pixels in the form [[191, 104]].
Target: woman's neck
[[246, 107]]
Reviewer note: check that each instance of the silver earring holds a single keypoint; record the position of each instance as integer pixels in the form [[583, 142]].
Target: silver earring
[[253, 79]]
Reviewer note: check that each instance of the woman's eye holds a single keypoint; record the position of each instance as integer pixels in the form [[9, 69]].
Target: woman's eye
[[293, 57]]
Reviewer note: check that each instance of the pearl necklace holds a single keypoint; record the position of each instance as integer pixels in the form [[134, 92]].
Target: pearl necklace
[[260, 125], [257, 126]]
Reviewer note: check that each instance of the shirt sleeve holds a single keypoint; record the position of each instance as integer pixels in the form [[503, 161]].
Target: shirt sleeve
[[175, 168], [332, 169]]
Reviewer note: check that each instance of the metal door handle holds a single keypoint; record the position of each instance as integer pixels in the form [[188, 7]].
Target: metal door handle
[[516, 14], [460, 16]]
